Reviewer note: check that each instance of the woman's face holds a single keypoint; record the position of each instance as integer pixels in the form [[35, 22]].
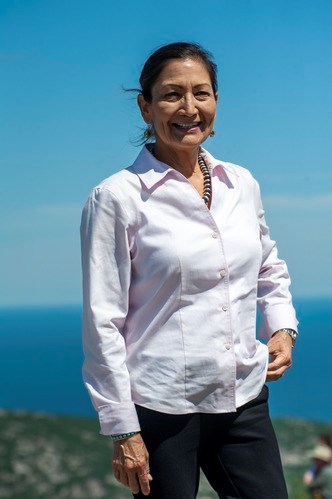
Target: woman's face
[[183, 105]]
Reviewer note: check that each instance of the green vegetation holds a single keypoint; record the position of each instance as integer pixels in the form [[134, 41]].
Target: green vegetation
[[56, 457]]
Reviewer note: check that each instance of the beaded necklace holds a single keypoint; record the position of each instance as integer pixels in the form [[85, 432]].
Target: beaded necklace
[[207, 191], [207, 181]]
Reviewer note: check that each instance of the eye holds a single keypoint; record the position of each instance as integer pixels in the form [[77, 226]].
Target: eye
[[172, 96], [202, 94]]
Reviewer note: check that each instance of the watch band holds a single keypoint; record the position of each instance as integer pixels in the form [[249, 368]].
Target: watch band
[[292, 333]]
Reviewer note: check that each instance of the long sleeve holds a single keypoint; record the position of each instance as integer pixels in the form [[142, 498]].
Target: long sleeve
[[274, 298], [106, 280]]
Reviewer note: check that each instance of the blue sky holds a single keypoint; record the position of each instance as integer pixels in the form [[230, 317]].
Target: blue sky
[[66, 123]]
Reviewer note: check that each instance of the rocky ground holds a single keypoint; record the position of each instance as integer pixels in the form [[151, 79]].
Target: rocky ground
[[56, 457]]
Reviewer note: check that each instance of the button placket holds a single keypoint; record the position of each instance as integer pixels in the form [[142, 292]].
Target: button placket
[[225, 306]]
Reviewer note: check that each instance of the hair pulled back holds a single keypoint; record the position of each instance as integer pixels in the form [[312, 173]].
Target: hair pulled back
[[180, 50]]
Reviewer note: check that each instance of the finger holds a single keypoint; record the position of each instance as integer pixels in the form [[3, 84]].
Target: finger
[[273, 377], [141, 472], [124, 478], [275, 367], [116, 469], [144, 482], [133, 482], [280, 361], [117, 475], [275, 374], [278, 368]]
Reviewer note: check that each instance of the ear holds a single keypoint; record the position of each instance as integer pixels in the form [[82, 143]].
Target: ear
[[216, 96], [144, 108]]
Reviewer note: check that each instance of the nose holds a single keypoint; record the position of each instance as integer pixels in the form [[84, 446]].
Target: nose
[[189, 105]]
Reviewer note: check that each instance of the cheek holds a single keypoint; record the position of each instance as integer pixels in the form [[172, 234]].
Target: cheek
[[207, 112], [160, 125], [212, 112], [161, 119], [212, 118]]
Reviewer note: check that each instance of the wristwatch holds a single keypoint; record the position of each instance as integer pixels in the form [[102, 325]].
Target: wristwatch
[[292, 333]]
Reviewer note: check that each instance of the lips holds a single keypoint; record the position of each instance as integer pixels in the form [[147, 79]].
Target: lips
[[186, 126]]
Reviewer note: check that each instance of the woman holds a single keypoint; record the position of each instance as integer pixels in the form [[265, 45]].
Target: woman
[[176, 255]]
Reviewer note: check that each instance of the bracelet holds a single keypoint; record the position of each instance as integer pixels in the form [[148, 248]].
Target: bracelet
[[122, 436]]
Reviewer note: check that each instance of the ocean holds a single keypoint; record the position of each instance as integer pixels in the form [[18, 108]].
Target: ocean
[[41, 359]]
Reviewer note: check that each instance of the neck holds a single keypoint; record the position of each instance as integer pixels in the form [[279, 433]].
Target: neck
[[184, 161]]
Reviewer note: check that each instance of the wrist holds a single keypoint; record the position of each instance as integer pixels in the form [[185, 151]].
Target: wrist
[[290, 332], [123, 436]]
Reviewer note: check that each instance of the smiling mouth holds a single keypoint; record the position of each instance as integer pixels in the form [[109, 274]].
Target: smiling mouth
[[187, 126]]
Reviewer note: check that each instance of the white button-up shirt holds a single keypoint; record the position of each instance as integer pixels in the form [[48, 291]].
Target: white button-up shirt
[[170, 292]]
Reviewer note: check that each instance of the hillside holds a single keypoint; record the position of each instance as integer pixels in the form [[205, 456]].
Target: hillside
[[56, 457]]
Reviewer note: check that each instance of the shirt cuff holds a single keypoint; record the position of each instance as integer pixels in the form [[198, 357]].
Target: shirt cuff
[[275, 318], [116, 419]]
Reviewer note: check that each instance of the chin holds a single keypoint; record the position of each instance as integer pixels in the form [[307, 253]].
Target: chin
[[189, 141]]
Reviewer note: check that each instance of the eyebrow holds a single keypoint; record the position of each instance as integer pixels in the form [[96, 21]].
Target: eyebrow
[[181, 86]]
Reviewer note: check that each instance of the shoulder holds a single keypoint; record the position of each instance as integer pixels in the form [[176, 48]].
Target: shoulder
[[127, 182], [118, 183], [239, 171], [119, 191], [115, 196]]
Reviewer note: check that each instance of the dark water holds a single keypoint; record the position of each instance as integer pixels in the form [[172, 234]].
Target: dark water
[[41, 358]]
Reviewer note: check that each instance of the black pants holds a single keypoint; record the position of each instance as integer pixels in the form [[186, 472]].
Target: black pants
[[237, 452]]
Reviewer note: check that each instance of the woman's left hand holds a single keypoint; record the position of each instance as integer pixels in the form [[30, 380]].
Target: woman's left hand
[[280, 350]]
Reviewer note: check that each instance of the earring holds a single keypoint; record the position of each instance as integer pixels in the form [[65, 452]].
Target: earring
[[212, 134], [148, 131]]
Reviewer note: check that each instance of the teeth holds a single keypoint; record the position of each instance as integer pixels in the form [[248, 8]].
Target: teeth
[[191, 125]]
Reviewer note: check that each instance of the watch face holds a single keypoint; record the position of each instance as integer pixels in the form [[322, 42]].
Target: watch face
[[292, 333]]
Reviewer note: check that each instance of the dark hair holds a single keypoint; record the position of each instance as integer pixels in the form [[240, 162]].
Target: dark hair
[[180, 50]]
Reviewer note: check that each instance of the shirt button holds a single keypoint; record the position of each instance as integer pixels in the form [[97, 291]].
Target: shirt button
[[223, 273], [228, 346], [214, 235], [225, 307]]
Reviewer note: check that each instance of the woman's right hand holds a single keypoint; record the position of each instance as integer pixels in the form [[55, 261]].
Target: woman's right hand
[[131, 464]]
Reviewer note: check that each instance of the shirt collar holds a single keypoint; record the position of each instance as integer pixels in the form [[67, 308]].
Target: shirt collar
[[148, 168], [151, 171]]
